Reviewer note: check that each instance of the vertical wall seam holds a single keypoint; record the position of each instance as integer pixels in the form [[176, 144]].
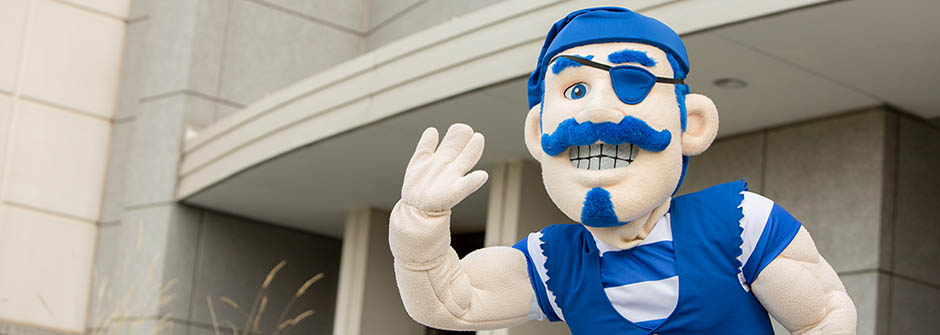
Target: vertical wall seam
[[495, 205], [91, 283], [200, 234], [15, 98], [894, 219], [221, 75], [364, 19], [510, 224], [763, 160], [890, 179], [111, 129]]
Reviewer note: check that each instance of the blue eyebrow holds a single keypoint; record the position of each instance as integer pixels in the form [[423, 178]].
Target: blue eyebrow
[[631, 56], [564, 63]]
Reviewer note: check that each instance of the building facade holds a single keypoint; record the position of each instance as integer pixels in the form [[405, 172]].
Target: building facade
[[194, 166]]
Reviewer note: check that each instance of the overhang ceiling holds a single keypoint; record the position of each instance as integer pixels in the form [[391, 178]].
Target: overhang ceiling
[[798, 65]]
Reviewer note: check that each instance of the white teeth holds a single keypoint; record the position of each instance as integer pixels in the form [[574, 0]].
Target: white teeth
[[623, 150], [609, 150], [601, 156]]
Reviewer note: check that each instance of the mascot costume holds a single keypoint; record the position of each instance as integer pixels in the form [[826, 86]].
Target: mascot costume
[[613, 125]]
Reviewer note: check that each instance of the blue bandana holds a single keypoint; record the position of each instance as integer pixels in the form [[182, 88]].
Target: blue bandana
[[603, 25]]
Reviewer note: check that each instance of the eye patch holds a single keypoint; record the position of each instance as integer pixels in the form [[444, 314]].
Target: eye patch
[[631, 83]]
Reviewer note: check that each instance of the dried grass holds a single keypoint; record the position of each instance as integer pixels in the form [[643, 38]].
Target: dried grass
[[215, 322], [254, 316], [120, 320], [231, 325]]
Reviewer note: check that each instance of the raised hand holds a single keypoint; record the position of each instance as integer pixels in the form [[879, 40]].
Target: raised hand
[[436, 178], [435, 285]]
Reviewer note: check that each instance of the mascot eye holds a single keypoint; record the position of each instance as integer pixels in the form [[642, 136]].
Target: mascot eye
[[577, 91]]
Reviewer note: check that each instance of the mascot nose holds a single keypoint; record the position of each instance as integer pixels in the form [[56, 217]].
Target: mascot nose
[[598, 115]]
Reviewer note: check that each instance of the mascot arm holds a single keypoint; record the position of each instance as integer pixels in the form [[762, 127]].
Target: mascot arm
[[803, 292], [489, 288]]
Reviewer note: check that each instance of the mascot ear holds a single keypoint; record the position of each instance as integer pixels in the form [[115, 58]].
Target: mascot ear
[[701, 124], [533, 132]]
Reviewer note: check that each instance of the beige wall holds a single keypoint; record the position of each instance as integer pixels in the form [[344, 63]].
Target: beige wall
[[59, 64]]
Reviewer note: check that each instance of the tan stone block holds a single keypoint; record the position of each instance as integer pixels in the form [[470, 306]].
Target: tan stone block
[[12, 25], [57, 160], [73, 58], [46, 261]]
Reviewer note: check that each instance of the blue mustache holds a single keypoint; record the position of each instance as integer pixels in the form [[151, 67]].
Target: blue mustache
[[628, 130]]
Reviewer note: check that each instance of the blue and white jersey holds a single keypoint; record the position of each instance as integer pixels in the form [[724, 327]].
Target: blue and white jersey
[[642, 283]]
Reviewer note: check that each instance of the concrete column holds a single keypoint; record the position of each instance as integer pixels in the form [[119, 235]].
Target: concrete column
[[352, 273], [519, 205], [146, 255], [367, 300], [159, 263]]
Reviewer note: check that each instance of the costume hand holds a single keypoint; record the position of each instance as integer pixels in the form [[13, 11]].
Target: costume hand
[[436, 178]]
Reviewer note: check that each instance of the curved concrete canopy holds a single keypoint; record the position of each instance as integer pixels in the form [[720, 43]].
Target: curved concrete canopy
[[340, 139], [482, 48]]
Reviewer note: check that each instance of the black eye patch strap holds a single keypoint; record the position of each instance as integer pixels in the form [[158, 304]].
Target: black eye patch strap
[[606, 67], [583, 61]]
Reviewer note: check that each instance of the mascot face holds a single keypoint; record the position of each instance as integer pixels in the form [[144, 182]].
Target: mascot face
[[609, 134]]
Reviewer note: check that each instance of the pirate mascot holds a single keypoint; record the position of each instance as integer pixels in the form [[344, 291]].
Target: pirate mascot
[[613, 124]]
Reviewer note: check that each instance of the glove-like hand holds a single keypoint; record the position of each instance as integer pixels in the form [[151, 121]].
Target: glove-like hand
[[436, 178]]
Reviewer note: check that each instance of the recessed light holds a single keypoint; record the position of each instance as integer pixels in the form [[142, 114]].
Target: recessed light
[[730, 83]]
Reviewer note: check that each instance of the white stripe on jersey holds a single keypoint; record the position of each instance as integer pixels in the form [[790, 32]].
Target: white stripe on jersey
[[656, 299], [534, 244], [662, 231], [645, 301], [756, 209]]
